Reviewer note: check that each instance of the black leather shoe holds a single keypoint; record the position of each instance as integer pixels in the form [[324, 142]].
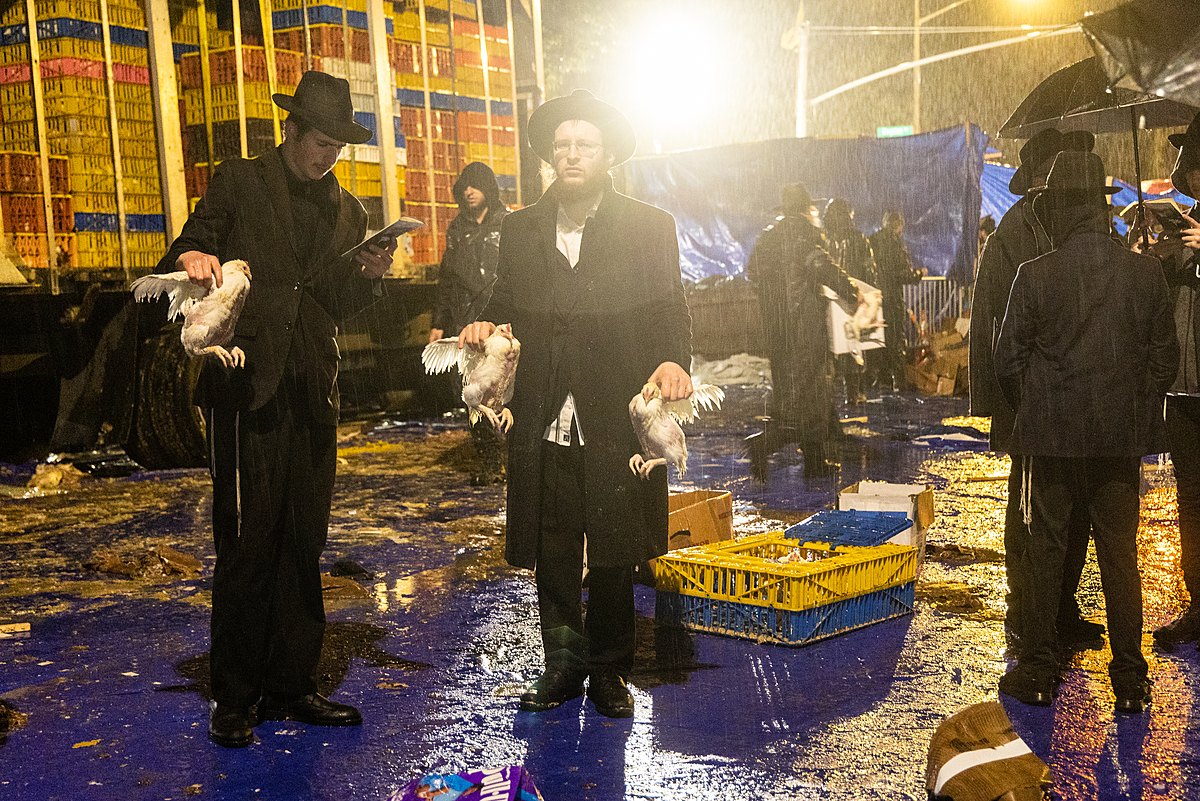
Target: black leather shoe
[[1132, 700], [1028, 688], [312, 708], [553, 688], [230, 726], [609, 694], [759, 450], [1185, 629], [1079, 634]]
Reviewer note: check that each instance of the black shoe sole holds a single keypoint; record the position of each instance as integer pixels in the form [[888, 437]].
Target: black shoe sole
[[230, 742], [332, 722], [614, 712], [1130, 706], [1033, 699], [541, 706]]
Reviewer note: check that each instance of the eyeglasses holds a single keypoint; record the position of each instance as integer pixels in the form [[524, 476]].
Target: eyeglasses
[[584, 148]]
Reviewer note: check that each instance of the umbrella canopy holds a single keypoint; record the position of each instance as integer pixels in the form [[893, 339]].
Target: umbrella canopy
[[1151, 45], [1078, 97]]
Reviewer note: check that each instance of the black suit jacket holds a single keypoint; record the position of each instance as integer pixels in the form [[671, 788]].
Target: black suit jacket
[[619, 314], [1087, 351], [246, 214]]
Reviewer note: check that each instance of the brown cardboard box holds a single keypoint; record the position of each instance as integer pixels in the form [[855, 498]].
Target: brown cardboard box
[[699, 517]]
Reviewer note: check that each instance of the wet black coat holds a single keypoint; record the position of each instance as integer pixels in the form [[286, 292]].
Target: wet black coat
[[246, 214], [1183, 276], [468, 266], [1087, 348], [788, 266], [599, 331], [1017, 239]]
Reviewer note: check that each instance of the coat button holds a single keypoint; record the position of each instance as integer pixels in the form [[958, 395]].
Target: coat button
[[287, 326], [296, 287]]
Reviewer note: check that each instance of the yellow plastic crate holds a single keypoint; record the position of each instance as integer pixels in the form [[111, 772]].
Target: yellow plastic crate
[[738, 571]]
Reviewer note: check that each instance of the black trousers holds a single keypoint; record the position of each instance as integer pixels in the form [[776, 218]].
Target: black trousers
[[1016, 543], [605, 639], [273, 472], [1108, 489], [1183, 431]]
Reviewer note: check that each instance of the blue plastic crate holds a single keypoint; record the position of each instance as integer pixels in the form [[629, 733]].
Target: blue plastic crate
[[508, 182], [782, 626], [850, 527]]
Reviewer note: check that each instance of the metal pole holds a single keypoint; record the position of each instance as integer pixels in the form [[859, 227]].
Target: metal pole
[[538, 62], [916, 66], [802, 81]]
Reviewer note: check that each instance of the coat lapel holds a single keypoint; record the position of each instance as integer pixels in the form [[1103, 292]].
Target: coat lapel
[[272, 166]]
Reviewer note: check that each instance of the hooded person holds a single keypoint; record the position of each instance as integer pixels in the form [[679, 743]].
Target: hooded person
[[590, 281], [1019, 237], [1086, 354], [465, 278], [1178, 255], [850, 250], [788, 266]]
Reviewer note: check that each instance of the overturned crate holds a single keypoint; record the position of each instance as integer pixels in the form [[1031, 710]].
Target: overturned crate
[[789, 587]]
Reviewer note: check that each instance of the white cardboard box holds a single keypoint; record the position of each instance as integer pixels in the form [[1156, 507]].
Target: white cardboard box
[[915, 500], [848, 334]]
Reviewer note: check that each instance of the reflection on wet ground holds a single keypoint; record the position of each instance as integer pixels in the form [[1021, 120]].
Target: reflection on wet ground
[[104, 698]]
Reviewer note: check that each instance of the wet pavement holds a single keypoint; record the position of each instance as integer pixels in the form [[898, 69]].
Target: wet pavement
[[105, 696]]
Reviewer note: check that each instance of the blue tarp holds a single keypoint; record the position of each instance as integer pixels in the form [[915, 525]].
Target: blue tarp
[[723, 197]]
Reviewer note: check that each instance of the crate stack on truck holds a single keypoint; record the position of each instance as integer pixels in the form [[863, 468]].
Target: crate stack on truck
[[451, 90]]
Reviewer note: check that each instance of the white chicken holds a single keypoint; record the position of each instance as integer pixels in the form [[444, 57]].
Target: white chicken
[[487, 377], [657, 425], [209, 313]]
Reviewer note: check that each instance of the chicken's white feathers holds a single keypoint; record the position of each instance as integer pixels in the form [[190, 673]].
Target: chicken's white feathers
[[487, 378], [657, 425], [209, 313]]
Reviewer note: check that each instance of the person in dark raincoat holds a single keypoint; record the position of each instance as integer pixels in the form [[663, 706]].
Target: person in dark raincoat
[[1086, 354], [850, 250], [590, 281], [1021, 237], [1181, 263], [893, 269], [272, 425], [465, 279], [788, 266]]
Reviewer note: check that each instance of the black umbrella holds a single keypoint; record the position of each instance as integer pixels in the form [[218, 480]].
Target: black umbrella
[[1152, 45], [1079, 98]]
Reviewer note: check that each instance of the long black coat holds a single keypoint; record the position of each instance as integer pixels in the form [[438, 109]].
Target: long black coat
[[1017, 239], [788, 266], [599, 331], [246, 214], [1087, 349]]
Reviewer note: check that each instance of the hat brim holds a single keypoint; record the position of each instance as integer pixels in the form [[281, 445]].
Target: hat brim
[[349, 132], [1180, 139], [1074, 191], [619, 138]]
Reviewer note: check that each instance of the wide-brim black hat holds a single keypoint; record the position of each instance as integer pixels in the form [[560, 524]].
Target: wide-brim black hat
[[795, 199], [1190, 137], [1189, 156], [619, 139], [1076, 177], [1040, 150], [323, 101]]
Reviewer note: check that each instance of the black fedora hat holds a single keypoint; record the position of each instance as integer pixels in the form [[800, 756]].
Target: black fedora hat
[[324, 102], [1076, 178], [619, 139], [1190, 137], [1189, 157], [795, 200], [1040, 149]]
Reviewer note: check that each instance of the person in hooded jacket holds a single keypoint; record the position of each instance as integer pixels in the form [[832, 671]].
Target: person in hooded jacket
[[1018, 238], [893, 269], [465, 279], [788, 266], [1180, 257], [1086, 354]]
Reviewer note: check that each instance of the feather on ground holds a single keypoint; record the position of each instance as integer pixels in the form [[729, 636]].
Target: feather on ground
[[657, 425], [487, 377], [209, 313]]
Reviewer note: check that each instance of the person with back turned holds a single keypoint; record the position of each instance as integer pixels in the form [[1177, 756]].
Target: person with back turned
[[1086, 353]]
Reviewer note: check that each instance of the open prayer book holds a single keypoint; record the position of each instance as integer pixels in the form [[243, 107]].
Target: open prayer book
[[382, 237]]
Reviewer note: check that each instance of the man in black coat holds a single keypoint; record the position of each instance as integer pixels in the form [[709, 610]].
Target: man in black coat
[[1086, 353], [893, 269], [788, 267], [465, 279], [590, 281], [272, 424], [1021, 237]]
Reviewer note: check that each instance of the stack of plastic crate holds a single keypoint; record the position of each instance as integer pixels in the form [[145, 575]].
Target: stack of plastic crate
[[70, 48], [472, 92], [792, 587], [23, 208]]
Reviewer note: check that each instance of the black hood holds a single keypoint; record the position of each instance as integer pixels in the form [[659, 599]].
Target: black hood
[[480, 176]]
